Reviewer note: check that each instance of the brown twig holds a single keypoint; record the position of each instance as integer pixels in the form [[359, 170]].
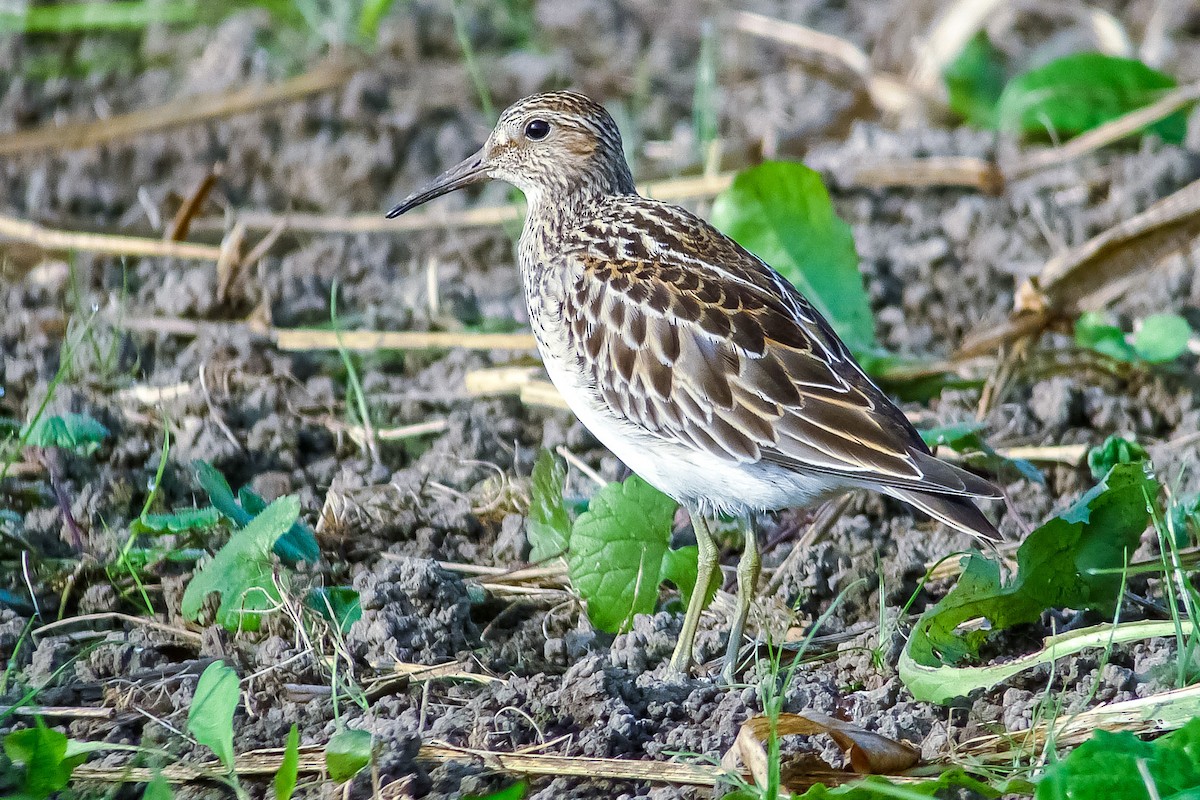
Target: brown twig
[[178, 229], [50, 239], [175, 114], [115, 616]]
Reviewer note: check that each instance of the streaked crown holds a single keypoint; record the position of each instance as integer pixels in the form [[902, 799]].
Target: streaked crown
[[559, 142]]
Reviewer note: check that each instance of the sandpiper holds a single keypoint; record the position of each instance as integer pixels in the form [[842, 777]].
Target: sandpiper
[[701, 368]]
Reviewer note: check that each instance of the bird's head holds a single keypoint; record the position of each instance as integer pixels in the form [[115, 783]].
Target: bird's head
[[554, 145]]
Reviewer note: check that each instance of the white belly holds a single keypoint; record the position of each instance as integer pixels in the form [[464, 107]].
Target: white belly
[[693, 477]]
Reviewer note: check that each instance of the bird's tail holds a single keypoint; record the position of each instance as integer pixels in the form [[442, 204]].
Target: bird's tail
[[958, 512]]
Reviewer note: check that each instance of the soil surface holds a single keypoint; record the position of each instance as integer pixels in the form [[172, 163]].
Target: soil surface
[[405, 530]]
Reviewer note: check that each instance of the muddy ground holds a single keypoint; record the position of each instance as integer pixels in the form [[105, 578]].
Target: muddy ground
[[938, 263]]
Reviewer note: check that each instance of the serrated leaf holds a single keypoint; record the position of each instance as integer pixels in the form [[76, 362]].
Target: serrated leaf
[[347, 753], [179, 521], [1115, 450], [241, 571], [77, 432], [548, 526], [1162, 338], [339, 605], [210, 719], [1074, 560], [1120, 765], [781, 211], [289, 767], [616, 554], [1082, 91], [974, 81], [298, 544]]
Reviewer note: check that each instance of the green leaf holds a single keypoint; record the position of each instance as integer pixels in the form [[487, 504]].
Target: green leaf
[[548, 526], [289, 768], [373, 12], [77, 432], [9, 427], [615, 560], [1072, 561], [681, 567], [339, 605], [1115, 450], [43, 754], [1161, 338], [210, 719], [964, 438], [876, 787], [1079, 92], [1094, 330], [782, 212], [111, 15], [298, 544], [975, 80], [1118, 765], [516, 791], [181, 520], [158, 789], [347, 753], [241, 571]]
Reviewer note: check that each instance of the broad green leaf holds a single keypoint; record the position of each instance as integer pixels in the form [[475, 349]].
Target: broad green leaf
[[681, 567], [616, 555], [42, 752], [516, 791], [782, 212], [1079, 92], [158, 789], [241, 571], [347, 753], [69, 431], [975, 80], [179, 521], [548, 526], [942, 683], [298, 544], [1072, 561], [1095, 330], [210, 719], [1119, 765], [339, 605], [1115, 450], [289, 768], [965, 439], [1161, 338]]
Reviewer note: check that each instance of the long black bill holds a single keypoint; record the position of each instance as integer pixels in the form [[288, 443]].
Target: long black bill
[[470, 171]]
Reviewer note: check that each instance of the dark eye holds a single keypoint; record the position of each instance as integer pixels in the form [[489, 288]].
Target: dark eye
[[537, 129]]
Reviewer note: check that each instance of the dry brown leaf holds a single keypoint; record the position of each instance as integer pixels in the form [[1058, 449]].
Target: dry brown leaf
[[870, 753]]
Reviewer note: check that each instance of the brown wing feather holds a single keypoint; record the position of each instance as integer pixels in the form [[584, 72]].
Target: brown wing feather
[[714, 350]]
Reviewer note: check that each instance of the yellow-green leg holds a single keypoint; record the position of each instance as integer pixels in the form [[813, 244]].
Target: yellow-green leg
[[748, 569], [681, 660]]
